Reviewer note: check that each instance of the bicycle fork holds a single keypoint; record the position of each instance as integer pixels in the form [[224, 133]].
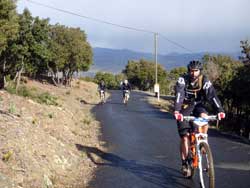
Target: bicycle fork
[[198, 149]]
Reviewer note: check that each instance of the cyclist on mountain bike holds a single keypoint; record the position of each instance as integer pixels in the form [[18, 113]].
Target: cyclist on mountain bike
[[125, 86], [193, 89], [102, 88]]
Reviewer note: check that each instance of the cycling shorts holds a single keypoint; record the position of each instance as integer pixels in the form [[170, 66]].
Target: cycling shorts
[[185, 127]]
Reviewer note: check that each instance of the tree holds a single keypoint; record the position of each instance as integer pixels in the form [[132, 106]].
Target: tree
[[172, 78], [8, 30], [108, 78], [245, 52], [40, 53], [221, 70], [21, 48], [70, 52], [8, 22], [240, 91], [141, 74]]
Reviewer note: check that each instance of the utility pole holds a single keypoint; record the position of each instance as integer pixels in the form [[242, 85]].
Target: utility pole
[[156, 86]]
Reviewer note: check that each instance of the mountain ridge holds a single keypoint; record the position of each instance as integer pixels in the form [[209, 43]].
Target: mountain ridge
[[115, 60]]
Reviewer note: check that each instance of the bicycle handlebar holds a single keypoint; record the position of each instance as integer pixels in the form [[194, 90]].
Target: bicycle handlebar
[[208, 118]]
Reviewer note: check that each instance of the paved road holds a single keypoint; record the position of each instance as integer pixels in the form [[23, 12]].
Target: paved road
[[143, 149]]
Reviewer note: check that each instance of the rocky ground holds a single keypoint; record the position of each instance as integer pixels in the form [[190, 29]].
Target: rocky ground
[[39, 142]]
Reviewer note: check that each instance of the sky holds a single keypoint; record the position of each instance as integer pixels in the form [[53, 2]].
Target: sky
[[190, 25]]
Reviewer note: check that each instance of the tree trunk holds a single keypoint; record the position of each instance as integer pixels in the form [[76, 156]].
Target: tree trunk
[[52, 74], [2, 75], [4, 69], [19, 74]]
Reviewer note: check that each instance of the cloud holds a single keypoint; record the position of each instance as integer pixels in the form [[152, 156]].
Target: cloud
[[198, 25]]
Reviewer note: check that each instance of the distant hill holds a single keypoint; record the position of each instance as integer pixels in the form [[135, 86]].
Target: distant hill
[[115, 60]]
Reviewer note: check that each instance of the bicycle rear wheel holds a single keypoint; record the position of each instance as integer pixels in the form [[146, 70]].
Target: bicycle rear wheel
[[126, 99], [102, 98], [206, 166]]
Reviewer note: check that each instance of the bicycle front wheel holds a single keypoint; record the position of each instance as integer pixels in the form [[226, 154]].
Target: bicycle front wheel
[[206, 166]]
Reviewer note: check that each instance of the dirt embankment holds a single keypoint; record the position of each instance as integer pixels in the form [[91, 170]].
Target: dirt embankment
[[38, 142]]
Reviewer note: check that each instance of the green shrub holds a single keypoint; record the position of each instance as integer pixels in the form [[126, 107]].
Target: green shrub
[[87, 79], [12, 108], [46, 98], [25, 92], [11, 88]]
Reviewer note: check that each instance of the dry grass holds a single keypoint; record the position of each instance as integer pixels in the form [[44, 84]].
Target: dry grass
[[162, 104], [38, 141]]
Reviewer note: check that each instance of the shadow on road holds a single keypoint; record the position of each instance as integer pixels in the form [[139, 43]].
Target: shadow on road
[[151, 172], [217, 134]]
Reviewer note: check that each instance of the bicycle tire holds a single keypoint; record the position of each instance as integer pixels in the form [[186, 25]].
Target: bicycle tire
[[207, 175], [126, 99], [102, 98]]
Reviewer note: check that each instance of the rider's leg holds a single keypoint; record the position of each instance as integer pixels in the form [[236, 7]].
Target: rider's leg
[[123, 97], [184, 130], [184, 147]]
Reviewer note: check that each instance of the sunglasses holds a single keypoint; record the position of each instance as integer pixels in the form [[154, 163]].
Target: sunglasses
[[194, 70]]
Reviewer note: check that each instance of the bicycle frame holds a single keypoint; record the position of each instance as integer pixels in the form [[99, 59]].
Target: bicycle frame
[[126, 96], [102, 96], [197, 141], [200, 138]]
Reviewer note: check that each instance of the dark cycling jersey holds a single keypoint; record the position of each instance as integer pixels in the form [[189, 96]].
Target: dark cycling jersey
[[193, 93], [102, 87], [126, 87]]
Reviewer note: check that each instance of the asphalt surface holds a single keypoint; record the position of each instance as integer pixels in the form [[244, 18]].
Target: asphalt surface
[[143, 149]]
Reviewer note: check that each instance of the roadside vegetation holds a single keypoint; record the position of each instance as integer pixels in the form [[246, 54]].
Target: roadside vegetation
[[230, 77], [41, 122], [32, 47]]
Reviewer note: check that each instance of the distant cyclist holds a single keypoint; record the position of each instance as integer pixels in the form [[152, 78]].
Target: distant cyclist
[[126, 88], [102, 90], [193, 89]]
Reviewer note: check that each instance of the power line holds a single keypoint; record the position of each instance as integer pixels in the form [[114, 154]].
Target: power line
[[109, 23], [175, 43], [90, 18]]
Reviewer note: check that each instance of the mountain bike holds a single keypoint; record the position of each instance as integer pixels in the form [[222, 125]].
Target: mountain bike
[[200, 154], [126, 96], [102, 96]]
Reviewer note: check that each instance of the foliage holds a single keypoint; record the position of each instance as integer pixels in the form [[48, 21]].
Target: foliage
[[221, 70], [33, 47], [8, 22], [142, 74], [108, 78], [245, 52], [172, 78], [87, 78], [46, 98], [70, 52], [32, 93], [175, 73], [231, 78], [8, 31]]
